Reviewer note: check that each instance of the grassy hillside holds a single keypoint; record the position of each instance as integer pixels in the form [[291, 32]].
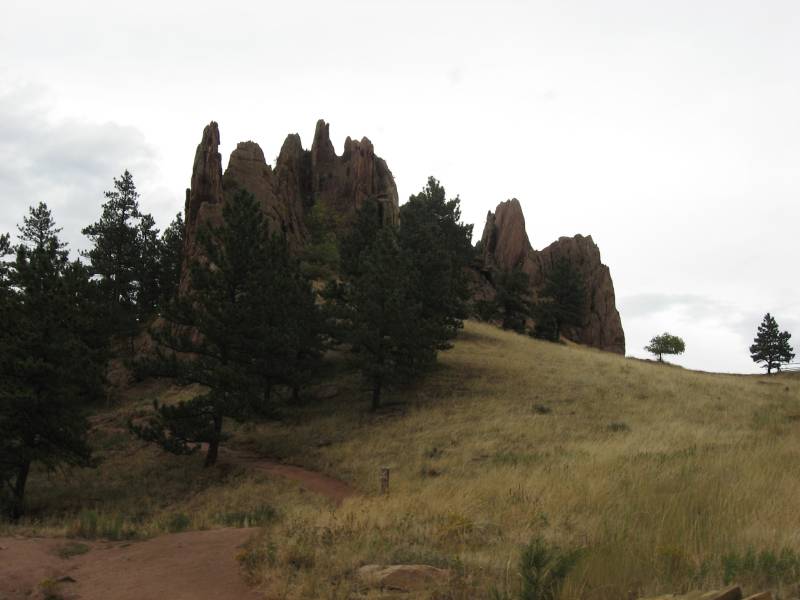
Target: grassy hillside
[[667, 479]]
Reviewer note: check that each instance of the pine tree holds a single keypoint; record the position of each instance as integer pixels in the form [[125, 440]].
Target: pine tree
[[171, 259], [148, 270], [439, 247], [115, 254], [231, 331], [512, 300], [562, 301], [49, 366], [377, 306], [771, 345]]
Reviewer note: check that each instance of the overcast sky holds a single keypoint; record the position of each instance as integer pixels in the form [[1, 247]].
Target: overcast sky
[[669, 131]]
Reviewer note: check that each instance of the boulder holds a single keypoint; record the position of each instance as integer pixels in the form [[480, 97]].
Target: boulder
[[403, 578], [731, 593]]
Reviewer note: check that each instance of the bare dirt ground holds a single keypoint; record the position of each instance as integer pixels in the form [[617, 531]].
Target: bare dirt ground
[[193, 565]]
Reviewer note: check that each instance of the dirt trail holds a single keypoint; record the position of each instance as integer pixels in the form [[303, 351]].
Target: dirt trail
[[195, 565], [313, 481]]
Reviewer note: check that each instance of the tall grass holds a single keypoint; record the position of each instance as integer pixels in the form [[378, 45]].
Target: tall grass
[[660, 473]]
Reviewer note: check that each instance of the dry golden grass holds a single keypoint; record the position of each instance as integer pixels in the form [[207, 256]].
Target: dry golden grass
[[668, 479], [658, 472]]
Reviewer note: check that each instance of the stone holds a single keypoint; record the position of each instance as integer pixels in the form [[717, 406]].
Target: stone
[[505, 246], [300, 180], [403, 578], [731, 593], [760, 596]]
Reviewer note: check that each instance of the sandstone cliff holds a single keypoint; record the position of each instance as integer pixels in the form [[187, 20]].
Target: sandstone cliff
[[505, 246], [300, 179]]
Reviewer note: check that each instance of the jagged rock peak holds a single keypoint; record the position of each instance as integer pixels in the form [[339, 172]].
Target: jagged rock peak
[[504, 240], [321, 148], [506, 246]]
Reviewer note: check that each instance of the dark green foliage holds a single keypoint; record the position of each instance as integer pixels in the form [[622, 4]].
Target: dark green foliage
[[148, 268], [486, 310], [114, 255], [244, 325], [439, 247], [561, 301], [171, 259], [665, 344], [543, 569], [320, 257], [771, 345], [512, 300], [377, 308], [51, 361], [761, 569]]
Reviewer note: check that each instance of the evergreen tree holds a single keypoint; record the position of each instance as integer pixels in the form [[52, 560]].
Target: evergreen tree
[[148, 270], [771, 345], [562, 301], [171, 259], [665, 344], [378, 308], [115, 254], [230, 330], [513, 287], [439, 247], [49, 366]]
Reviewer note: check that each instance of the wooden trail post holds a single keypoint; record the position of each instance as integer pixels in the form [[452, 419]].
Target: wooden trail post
[[385, 481]]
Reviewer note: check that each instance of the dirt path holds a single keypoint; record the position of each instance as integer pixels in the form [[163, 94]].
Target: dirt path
[[313, 481], [195, 565]]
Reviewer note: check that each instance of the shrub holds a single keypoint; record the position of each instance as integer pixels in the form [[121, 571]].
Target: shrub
[[543, 569]]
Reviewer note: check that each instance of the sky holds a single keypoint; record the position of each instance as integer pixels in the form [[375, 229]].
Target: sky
[[669, 131]]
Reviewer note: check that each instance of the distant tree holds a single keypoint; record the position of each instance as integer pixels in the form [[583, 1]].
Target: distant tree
[[171, 259], [513, 288], [771, 345], [377, 306], [439, 247], [51, 363], [228, 332], [665, 344], [561, 301]]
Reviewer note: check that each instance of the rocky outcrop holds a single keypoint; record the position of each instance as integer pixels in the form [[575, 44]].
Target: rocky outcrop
[[505, 246], [300, 180]]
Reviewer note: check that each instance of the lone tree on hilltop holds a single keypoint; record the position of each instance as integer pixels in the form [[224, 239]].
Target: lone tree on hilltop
[[771, 345], [665, 344]]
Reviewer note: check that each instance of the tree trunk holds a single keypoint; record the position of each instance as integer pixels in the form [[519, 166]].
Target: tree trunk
[[213, 445], [19, 491], [296, 394], [376, 395], [267, 391]]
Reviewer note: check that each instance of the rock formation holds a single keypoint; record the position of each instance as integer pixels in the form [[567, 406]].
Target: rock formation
[[506, 246], [303, 179], [300, 180]]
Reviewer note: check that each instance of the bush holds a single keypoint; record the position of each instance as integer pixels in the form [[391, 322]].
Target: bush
[[543, 569]]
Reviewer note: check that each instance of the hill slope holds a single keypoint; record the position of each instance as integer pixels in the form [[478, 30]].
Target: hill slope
[[666, 478]]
